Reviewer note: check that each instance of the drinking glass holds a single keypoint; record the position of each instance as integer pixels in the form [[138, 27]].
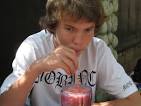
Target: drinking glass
[[76, 95]]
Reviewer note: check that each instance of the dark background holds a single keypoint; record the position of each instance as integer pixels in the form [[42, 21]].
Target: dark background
[[19, 19]]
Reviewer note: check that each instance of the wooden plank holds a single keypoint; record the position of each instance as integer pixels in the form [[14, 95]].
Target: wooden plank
[[138, 16], [129, 28], [122, 22], [123, 16], [132, 17]]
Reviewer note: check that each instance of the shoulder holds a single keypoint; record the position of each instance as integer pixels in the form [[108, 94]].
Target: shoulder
[[39, 36], [35, 44], [32, 48], [95, 50], [38, 40], [97, 44]]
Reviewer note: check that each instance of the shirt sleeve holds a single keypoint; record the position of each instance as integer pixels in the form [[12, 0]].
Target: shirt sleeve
[[111, 75]]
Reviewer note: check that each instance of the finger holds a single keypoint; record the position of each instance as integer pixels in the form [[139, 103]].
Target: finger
[[67, 52], [71, 54], [65, 67], [68, 63], [55, 61]]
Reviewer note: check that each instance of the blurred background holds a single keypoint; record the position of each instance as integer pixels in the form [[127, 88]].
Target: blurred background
[[19, 19]]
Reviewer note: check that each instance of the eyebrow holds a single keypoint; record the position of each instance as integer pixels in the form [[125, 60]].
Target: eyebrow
[[67, 25], [90, 27]]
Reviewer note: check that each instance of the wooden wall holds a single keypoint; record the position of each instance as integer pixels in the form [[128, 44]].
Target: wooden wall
[[129, 33], [129, 29]]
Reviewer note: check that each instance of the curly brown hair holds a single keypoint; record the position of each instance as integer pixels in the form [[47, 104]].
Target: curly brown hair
[[90, 10]]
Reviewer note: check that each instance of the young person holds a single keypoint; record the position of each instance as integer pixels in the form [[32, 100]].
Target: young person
[[47, 61]]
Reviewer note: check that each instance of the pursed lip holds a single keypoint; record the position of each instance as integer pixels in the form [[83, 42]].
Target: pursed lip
[[78, 52]]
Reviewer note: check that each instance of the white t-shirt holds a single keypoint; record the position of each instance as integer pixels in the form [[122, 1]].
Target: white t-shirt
[[98, 68]]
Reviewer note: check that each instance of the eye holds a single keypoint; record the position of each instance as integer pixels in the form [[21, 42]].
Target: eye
[[89, 30], [69, 29]]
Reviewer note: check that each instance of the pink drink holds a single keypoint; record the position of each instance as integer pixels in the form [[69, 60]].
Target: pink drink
[[76, 95]]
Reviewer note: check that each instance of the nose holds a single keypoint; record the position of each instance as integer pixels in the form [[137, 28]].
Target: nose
[[78, 39]]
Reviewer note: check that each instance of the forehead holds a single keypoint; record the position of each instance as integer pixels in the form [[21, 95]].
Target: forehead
[[74, 21]]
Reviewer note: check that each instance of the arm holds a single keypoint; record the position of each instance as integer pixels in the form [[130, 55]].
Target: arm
[[113, 78], [61, 57], [132, 100], [17, 93]]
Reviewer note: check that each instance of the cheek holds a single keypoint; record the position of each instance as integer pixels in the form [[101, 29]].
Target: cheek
[[87, 40], [65, 38]]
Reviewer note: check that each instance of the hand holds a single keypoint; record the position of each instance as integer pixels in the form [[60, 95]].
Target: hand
[[61, 57]]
